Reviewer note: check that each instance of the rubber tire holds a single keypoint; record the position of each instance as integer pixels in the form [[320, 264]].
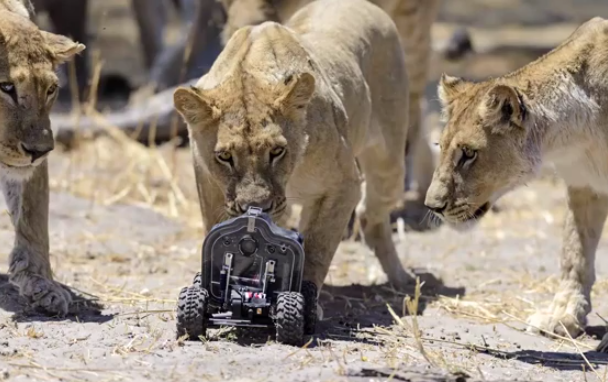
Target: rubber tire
[[191, 308], [309, 291], [289, 318], [198, 280]]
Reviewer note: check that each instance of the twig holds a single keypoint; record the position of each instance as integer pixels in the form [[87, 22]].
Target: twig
[[46, 368], [305, 346], [147, 312], [495, 352], [580, 352], [602, 318], [549, 333]]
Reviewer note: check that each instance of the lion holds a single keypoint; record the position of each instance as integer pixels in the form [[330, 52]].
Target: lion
[[297, 113], [413, 19], [500, 131], [28, 88]]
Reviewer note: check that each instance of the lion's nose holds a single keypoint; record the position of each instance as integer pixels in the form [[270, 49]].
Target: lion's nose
[[265, 205], [36, 151], [436, 206]]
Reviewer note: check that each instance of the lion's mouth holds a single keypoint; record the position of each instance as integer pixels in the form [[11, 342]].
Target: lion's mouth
[[20, 165], [480, 212], [17, 166], [14, 166], [274, 210]]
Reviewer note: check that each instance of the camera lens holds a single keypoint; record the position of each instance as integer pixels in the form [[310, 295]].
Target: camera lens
[[248, 245]]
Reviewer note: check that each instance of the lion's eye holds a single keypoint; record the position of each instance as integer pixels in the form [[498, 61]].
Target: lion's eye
[[468, 156], [276, 152], [52, 89], [224, 156], [7, 87]]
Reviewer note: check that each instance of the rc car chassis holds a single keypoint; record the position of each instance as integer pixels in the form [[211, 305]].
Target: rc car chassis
[[251, 276]]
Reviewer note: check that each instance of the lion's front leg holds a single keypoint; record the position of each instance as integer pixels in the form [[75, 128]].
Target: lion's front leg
[[322, 223], [29, 265], [584, 222]]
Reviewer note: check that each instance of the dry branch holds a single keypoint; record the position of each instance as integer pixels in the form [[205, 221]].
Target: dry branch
[[139, 121], [155, 118]]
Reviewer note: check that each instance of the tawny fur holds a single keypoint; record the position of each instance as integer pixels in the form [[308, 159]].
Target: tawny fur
[[28, 60], [285, 111], [413, 19], [498, 134]]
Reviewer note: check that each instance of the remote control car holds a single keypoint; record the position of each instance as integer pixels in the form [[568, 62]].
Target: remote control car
[[251, 276]]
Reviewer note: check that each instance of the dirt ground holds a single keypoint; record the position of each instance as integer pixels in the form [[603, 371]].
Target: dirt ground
[[125, 236]]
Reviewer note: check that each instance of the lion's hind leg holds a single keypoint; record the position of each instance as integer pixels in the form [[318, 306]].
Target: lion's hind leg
[[384, 171]]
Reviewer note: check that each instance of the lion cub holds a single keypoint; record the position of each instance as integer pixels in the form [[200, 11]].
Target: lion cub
[[28, 88], [285, 114], [500, 131]]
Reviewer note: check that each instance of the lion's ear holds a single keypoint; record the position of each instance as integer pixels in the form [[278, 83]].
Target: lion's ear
[[62, 48], [449, 87], [503, 108], [296, 93], [193, 107]]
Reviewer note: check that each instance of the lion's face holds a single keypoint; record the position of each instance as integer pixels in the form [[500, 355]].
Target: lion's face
[[28, 87], [249, 137], [485, 150]]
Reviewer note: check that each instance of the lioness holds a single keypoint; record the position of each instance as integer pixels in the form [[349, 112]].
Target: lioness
[[500, 131], [284, 112], [413, 19], [28, 88]]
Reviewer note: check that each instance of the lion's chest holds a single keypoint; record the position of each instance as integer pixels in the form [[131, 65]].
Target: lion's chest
[[584, 166]]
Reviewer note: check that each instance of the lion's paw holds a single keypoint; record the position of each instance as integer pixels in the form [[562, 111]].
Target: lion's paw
[[46, 294], [400, 279], [567, 319]]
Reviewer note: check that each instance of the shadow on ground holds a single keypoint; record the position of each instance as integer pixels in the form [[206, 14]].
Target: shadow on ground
[[409, 374], [83, 309], [556, 360], [363, 306], [596, 332], [348, 309]]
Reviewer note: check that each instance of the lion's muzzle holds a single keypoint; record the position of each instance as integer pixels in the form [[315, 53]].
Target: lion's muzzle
[[37, 151], [264, 205]]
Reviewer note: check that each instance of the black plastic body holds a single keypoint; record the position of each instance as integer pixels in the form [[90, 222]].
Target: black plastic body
[[248, 270]]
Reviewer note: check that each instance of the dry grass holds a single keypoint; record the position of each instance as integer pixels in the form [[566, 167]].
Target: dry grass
[[160, 178], [114, 169]]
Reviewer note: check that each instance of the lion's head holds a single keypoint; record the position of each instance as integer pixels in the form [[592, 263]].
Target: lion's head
[[486, 149], [249, 133], [28, 87]]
